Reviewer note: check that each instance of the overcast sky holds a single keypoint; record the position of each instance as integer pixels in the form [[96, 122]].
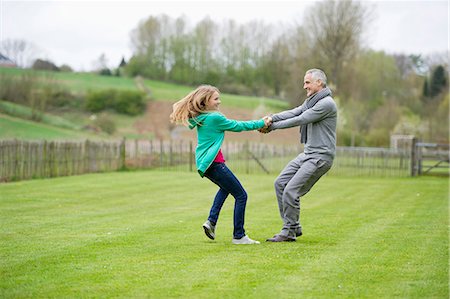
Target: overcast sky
[[78, 32]]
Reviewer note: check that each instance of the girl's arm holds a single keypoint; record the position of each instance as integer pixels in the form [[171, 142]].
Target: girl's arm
[[222, 123]]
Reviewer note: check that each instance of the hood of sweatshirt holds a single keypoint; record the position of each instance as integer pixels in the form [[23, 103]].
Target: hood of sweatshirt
[[197, 121]]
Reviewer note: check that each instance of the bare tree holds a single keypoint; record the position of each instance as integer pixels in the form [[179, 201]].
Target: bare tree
[[203, 37], [434, 59], [147, 36], [150, 40], [335, 30], [278, 60], [300, 58], [23, 53], [404, 64], [231, 40], [100, 63]]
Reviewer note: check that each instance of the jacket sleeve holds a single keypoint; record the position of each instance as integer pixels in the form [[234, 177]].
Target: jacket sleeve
[[287, 114], [320, 111], [221, 123]]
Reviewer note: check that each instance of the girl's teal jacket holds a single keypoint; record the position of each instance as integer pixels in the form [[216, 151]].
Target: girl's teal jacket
[[211, 127]]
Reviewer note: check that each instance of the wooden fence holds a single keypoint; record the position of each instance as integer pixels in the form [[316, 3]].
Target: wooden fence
[[370, 161], [430, 158], [21, 160], [267, 158]]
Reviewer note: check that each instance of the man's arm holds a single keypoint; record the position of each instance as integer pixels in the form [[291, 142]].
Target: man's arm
[[320, 111], [287, 114]]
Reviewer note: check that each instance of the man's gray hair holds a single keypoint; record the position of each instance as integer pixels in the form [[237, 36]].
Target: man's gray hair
[[317, 74]]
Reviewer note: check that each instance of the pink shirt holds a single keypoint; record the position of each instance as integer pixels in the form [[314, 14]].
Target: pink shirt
[[219, 158]]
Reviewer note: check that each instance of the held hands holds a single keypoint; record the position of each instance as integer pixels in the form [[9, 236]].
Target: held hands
[[267, 123]]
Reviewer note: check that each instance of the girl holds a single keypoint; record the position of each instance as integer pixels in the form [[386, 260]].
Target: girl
[[200, 109]]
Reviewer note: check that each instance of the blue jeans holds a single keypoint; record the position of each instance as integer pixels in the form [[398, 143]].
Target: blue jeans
[[221, 175]]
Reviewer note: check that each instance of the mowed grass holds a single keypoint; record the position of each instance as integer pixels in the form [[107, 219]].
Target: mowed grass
[[138, 234]]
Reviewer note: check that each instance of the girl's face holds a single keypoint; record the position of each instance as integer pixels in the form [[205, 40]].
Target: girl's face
[[213, 102]]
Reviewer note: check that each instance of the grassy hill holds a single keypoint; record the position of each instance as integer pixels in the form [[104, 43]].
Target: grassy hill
[[153, 123], [19, 128], [161, 91]]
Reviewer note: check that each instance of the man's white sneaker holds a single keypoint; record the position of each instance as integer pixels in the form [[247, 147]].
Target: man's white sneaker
[[244, 240]]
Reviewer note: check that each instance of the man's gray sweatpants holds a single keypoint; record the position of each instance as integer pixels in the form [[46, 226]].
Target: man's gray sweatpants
[[294, 181]]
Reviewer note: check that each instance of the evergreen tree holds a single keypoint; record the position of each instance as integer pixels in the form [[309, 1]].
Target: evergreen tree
[[438, 81], [436, 84], [426, 91]]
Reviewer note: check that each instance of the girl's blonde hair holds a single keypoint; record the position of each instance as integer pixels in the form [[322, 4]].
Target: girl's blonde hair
[[192, 105]]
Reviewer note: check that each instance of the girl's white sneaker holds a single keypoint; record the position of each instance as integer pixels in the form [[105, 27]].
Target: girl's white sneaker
[[210, 230], [244, 240]]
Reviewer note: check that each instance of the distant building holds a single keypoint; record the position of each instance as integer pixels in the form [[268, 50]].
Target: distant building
[[6, 62]]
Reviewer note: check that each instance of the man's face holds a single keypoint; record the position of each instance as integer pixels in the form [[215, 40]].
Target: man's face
[[312, 86]]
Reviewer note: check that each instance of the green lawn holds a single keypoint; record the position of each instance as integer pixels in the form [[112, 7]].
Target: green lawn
[[139, 235]]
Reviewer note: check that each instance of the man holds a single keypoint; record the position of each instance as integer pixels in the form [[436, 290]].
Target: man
[[317, 118]]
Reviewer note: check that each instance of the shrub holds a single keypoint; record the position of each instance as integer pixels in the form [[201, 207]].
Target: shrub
[[378, 137], [63, 98], [129, 102], [347, 138], [105, 72], [17, 90], [106, 124], [40, 64], [100, 100], [235, 88], [66, 68], [122, 101]]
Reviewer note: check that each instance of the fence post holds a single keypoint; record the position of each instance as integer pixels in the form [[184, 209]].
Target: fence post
[[123, 154], [414, 157], [161, 152], [15, 159], [86, 157], [51, 159], [137, 158], [170, 153]]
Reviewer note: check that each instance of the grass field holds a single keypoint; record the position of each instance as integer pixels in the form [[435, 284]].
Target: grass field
[[138, 234]]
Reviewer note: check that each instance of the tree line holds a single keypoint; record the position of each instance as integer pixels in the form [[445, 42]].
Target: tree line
[[379, 94]]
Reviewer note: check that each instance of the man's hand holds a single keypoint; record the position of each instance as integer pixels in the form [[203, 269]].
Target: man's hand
[[267, 123]]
